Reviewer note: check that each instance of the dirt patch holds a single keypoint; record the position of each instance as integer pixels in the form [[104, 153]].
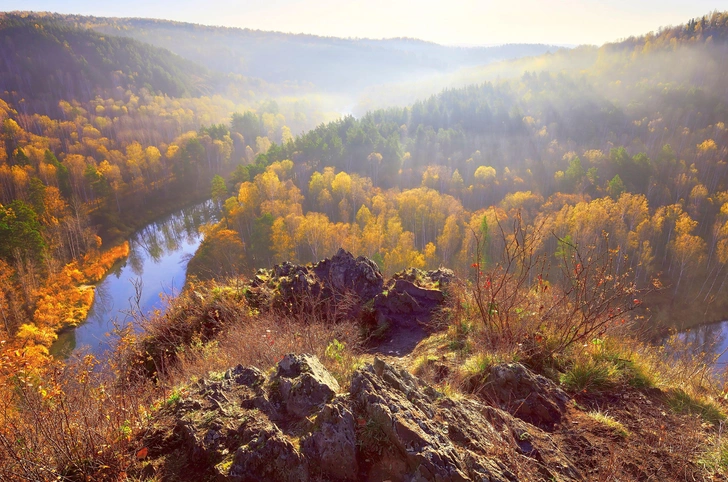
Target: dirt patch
[[659, 444], [400, 341]]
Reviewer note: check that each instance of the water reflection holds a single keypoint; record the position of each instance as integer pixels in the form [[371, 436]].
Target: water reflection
[[158, 255], [707, 342]]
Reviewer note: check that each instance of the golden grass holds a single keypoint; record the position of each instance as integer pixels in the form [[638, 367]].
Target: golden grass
[[610, 422]]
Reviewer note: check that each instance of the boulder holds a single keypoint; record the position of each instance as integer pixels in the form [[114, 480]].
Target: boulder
[[303, 384], [343, 273], [248, 376], [530, 397], [406, 304], [318, 288], [267, 455], [404, 417]]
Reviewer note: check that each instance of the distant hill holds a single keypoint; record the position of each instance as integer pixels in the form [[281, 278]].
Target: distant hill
[[343, 65], [43, 60]]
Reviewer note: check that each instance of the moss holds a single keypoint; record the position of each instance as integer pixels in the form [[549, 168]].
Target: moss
[[224, 466]]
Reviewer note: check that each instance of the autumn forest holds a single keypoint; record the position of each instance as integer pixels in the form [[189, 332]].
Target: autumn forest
[[527, 161], [607, 145]]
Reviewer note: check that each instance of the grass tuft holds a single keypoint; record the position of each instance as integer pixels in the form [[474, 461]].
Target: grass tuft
[[681, 402], [589, 375], [613, 424]]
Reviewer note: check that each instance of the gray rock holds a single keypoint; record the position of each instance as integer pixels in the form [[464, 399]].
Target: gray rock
[[409, 416], [332, 447], [268, 455], [406, 304], [391, 426], [304, 384], [318, 288], [248, 376], [530, 397], [438, 278], [345, 273]]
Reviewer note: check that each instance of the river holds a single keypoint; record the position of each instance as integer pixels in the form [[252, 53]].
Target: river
[[708, 341], [157, 264]]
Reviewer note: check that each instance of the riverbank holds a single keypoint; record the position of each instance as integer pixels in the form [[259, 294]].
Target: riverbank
[[65, 300], [114, 228], [155, 261]]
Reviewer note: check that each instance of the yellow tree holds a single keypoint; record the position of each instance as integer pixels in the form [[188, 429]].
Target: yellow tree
[[313, 233], [688, 250], [282, 242], [449, 240]]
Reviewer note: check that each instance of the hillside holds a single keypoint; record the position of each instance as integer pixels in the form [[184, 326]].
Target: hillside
[[620, 145], [43, 61], [465, 288], [294, 376], [330, 64]]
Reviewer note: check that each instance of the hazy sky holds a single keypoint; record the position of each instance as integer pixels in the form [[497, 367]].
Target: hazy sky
[[444, 21]]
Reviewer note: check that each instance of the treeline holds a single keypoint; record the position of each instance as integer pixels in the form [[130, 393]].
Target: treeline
[[328, 63], [43, 60], [635, 167]]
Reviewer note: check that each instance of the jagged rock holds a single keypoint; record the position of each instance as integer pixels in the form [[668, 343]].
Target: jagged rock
[[406, 304], [318, 287], [435, 279], [528, 396], [332, 448], [345, 273], [248, 376], [392, 426], [403, 411], [267, 455], [304, 384]]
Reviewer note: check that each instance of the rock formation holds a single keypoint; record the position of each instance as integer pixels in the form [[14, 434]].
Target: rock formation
[[293, 426], [344, 286]]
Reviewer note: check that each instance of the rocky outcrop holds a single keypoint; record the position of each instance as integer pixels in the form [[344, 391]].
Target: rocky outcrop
[[292, 425], [343, 286], [303, 385], [530, 397], [406, 304], [319, 288], [342, 272], [332, 447], [435, 279], [406, 416]]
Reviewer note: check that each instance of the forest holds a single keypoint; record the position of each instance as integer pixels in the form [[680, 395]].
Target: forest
[[100, 135], [596, 142], [412, 154], [627, 154]]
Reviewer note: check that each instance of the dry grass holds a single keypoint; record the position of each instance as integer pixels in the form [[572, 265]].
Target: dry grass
[[610, 422], [264, 342], [70, 423]]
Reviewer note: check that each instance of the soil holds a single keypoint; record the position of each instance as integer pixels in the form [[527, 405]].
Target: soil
[[661, 445], [400, 341]]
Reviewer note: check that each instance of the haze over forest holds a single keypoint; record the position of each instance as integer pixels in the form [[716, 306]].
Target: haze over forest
[[408, 152]]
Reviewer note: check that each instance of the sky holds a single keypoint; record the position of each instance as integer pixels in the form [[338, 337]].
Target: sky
[[451, 22]]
